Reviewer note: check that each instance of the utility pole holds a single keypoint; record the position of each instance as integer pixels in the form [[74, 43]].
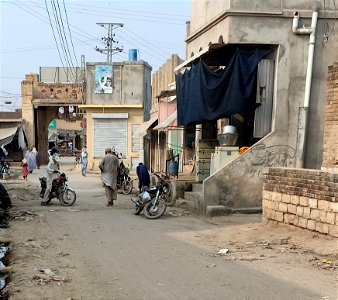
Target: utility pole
[[109, 40]]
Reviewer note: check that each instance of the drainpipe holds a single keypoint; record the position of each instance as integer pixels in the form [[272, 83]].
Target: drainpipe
[[304, 111]]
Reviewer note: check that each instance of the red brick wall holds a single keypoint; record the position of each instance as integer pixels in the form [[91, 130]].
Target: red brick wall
[[302, 198], [330, 146]]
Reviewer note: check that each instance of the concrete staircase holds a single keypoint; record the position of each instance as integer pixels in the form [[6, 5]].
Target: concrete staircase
[[192, 198]]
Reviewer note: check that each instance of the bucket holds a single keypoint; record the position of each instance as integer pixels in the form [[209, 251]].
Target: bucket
[[133, 55], [173, 168]]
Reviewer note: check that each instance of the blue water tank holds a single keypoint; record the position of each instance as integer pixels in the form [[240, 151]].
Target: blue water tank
[[173, 168], [133, 55]]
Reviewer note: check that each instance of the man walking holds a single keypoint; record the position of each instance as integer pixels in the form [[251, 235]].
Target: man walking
[[109, 172]]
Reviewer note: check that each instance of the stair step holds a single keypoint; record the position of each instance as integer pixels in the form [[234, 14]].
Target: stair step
[[186, 204], [197, 187], [192, 196]]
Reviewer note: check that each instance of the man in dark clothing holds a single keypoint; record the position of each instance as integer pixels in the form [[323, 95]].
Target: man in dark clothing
[[143, 175]]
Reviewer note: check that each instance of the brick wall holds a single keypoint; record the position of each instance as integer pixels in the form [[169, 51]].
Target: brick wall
[[302, 198], [330, 145]]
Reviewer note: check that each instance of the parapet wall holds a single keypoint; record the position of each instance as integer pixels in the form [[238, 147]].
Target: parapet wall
[[302, 198]]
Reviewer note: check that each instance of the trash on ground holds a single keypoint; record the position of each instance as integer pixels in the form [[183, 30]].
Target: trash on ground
[[211, 266], [223, 251]]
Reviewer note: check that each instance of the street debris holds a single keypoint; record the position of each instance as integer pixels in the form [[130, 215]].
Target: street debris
[[223, 251], [24, 215], [211, 266], [74, 210], [48, 275]]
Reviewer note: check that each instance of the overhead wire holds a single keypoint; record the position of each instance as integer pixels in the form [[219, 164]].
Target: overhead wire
[[56, 43], [61, 37]]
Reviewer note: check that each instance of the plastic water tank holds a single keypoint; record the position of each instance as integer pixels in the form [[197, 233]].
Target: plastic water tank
[[173, 168], [133, 55]]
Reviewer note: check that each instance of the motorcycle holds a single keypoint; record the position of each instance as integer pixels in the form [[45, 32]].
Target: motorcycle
[[4, 168], [60, 190], [152, 200], [124, 181]]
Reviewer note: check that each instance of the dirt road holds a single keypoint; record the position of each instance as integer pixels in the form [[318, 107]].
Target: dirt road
[[90, 251]]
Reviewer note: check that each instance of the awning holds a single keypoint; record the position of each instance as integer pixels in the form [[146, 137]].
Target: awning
[[144, 127], [7, 134], [165, 123]]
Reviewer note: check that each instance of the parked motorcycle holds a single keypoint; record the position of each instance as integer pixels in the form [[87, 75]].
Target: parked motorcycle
[[124, 182], [152, 200], [60, 190], [4, 168]]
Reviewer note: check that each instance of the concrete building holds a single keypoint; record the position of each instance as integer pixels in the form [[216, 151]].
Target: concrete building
[[301, 43], [116, 95]]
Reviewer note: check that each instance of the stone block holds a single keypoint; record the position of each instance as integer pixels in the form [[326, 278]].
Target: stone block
[[267, 195], [306, 212], [275, 196], [292, 209], [314, 215], [311, 224], [325, 228], [304, 201], [333, 206], [286, 198], [302, 222], [300, 211], [283, 207], [295, 199], [322, 216], [323, 205], [333, 230], [287, 218], [294, 220], [279, 216], [330, 218], [319, 226], [313, 203]]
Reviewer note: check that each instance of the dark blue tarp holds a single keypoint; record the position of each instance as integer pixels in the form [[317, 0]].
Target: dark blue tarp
[[204, 95]]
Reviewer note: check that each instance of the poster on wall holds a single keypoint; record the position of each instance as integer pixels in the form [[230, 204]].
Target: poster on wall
[[103, 79]]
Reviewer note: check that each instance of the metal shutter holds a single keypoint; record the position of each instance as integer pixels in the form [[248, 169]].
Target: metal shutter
[[109, 133]]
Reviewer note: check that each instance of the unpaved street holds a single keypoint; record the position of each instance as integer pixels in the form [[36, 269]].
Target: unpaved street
[[99, 252]]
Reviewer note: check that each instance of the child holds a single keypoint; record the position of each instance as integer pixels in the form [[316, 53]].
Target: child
[[24, 166]]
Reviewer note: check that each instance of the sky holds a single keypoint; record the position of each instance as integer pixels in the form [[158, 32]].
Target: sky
[[30, 35]]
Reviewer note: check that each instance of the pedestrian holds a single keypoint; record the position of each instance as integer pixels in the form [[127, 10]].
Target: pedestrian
[[70, 147], [109, 167], [30, 157], [24, 166], [37, 158], [52, 173], [84, 161], [143, 176]]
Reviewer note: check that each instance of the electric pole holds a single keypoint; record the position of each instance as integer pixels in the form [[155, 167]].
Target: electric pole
[[109, 40]]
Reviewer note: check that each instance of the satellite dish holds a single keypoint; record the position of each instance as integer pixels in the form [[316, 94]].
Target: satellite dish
[[61, 110]]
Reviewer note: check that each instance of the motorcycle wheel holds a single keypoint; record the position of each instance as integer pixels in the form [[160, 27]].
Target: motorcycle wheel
[[68, 197], [157, 211], [127, 187], [170, 194], [138, 210]]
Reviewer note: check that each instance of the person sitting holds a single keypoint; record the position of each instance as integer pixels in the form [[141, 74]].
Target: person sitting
[[143, 176]]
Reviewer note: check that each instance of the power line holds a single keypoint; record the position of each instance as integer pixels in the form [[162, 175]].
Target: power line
[[70, 34], [50, 22]]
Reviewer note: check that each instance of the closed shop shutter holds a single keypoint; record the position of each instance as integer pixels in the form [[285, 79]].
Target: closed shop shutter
[[109, 133]]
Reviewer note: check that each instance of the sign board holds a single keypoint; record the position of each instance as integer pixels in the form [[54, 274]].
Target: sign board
[[52, 125]]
